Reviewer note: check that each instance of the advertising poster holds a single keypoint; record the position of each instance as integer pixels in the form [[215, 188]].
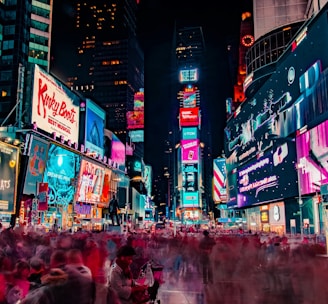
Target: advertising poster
[[139, 101], [190, 177], [135, 119], [190, 200], [189, 117], [106, 187], [190, 150], [312, 157], [43, 196], [62, 166], [189, 99], [55, 108], [268, 178], [189, 133], [36, 165], [219, 180], [118, 152], [190, 75], [90, 183], [94, 128], [8, 177]]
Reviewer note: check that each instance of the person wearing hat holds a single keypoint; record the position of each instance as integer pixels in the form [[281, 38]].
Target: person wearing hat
[[121, 279]]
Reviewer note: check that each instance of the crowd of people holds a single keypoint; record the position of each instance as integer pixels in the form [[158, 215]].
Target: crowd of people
[[63, 267]]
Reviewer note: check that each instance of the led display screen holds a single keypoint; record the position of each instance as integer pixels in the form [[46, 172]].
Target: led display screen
[[61, 168], [135, 119], [90, 182], [137, 135], [94, 128], [189, 117], [190, 177], [36, 165], [219, 180], [189, 99], [188, 76], [189, 133], [271, 177], [118, 152], [55, 108], [190, 199], [190, 150], [9, 157], [312, 157]]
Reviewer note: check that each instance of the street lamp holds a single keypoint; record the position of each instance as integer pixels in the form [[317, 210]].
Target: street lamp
[[300, 201]]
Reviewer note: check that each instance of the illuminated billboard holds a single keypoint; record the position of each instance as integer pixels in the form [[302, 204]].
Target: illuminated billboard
[[189, 133], [36, 165], [219, 180], [270, 177], [114, 149], [189, 117], [139, 101], [90, 182], [190, 150], [136, 135], [55, 108], [188, 75], [312, 157], [94, 128], [190, 177], [135, 120], [61, 168], [190, 200], [9, 159], [189, 99]]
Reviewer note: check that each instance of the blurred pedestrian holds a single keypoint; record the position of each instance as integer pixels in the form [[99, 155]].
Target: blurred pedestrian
[[206, 245], [121, 278]]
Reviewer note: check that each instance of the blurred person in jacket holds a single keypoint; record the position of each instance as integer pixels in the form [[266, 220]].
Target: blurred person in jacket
[[206, 245], [121, 278], [64, 284]]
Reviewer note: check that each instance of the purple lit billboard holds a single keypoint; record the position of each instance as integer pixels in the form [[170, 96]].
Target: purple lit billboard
[[190, 150], [118, 152], [312, 157]]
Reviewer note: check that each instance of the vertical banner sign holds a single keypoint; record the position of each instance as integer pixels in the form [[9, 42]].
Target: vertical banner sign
[[43, 196], [8, 177]]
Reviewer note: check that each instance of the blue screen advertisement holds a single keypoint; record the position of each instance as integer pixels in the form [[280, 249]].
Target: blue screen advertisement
[[8, 177], [190, 199], [36, 165], [94, 128], [271, 177], [62, 166]]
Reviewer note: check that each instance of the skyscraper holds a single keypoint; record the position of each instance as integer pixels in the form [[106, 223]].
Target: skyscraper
[[109, 64], [25, 31]]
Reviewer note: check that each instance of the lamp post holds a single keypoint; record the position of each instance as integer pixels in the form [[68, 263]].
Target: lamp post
[[300, 201]]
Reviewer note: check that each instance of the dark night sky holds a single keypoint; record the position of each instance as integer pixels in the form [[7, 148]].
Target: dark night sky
[[155, 31]]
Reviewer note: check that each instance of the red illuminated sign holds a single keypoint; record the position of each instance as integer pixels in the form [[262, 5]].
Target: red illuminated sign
[[189, 117]]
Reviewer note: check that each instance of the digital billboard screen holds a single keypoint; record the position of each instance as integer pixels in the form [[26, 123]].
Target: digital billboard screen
[[62, 168], [90, 182], [190, 150], [55, 108], [312, 157], [190, 200], [219, 180], [94, 128], [190, 177], [36, 165], [118, 152], [189, 99], [9, 158], [135, 119], [189, 133], [271, 177], [188, 75], [189, 117]]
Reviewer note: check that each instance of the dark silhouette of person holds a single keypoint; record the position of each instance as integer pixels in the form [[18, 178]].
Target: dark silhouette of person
[[206, 245], [113, 208]]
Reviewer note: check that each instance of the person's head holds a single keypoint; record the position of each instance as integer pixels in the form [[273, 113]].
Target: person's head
[[124, 255], [22, 269], [58, 258], [74, 256], [36, 265], [114, 197], [206, 233]]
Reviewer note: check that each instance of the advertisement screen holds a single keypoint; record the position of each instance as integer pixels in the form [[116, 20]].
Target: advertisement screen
[[36, 165], [61, 168], [139, 101], [271, 177], [189, 117], [55, 108], [189, 99], [189, 133], [8, 178], [190, 200], [190, 177], [186, 76], [94, 128], [105, 198], [90, 182], [312, 157], [118, 152], [190, 150], [219, 180], [135, 119], [137, 135]]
